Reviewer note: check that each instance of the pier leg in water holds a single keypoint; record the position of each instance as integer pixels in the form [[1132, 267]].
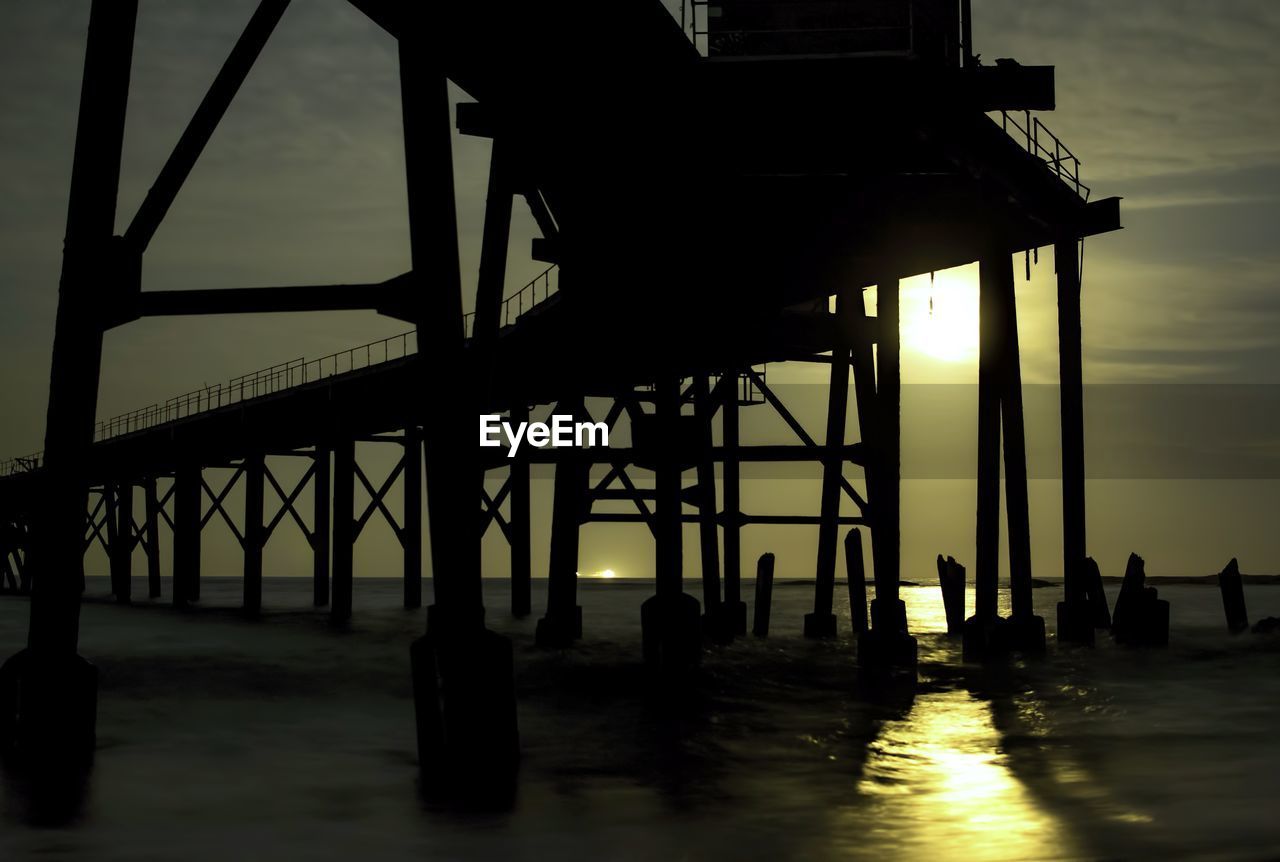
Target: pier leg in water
[[1232, 586], [187, 502], [764, 596], [670, 621], [708, 530], [521, 554], [320, 533], [562, 624], [412, 537], [463, 674], [254, 532], [855, 567], [122, 547], [1028, 631], [344, 526], [822, 622], [1077, 612], [48, 692], [734, 609], [152, 527], [887, 648]]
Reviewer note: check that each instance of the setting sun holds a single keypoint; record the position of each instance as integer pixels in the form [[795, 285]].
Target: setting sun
[[940, 315]]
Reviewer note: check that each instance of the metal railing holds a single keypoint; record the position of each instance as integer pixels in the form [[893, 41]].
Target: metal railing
[[267, 381], [919, 34], [293, 373], [536, 292], [1046, 146], [22, 464]]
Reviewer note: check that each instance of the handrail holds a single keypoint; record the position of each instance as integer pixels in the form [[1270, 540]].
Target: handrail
[[21, 464], [1040, 142], [919, 21], [287, 375], [524, 299]]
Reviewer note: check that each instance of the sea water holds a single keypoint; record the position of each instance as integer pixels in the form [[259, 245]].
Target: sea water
[[282, 738]]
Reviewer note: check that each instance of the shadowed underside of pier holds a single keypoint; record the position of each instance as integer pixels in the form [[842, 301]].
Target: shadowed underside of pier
[[708, 215]]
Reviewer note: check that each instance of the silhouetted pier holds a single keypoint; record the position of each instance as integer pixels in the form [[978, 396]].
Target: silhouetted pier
[[702, 193]]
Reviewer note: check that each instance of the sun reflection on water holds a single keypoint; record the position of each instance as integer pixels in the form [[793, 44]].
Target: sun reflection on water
[[939, 782]]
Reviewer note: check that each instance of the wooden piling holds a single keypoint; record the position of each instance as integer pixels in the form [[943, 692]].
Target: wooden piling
[[1232, 586], [1096, 595], [764, 596], [1141, 617], [951, 580], [855, 568]]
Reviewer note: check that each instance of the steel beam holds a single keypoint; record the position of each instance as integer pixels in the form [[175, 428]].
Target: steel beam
[[202, 125]]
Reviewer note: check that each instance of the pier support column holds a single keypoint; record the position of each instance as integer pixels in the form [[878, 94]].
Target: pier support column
[[152, 528], [412, 536], [822, 622], [562, 624], [734, 609], [254, 531], [122, 544], [48, 693], [521, 546], [320, 533], [980, 630], [1027, 628], [344, 529], [887, 647], [670, 621], [463, 674], [708, 530], [187, 500], [110, 504], [1076, 616]]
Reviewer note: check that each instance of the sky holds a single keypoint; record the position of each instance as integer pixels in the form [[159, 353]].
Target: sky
[[1168, 103]]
